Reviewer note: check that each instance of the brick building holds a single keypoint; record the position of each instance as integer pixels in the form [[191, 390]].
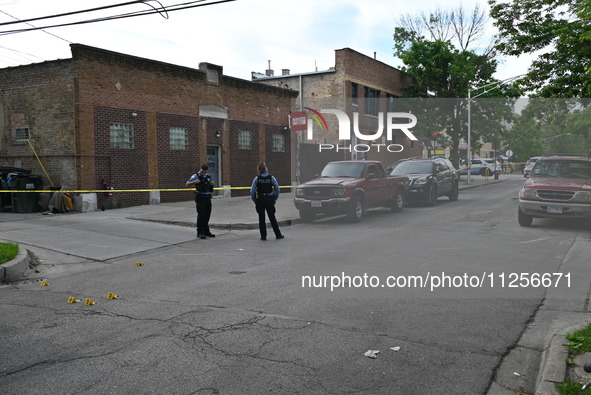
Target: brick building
[[103, 119], [356, 84]]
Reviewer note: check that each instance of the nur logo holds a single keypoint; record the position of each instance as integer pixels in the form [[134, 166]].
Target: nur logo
[[299, 121]]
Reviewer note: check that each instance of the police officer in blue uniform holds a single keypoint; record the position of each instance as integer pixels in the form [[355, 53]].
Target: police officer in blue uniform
[[264, 192], [203, 192]]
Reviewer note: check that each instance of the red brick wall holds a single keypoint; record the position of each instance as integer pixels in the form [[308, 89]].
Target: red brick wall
[[243, 167], [278, 163], [124, 168], [173, 164], [170, 94]]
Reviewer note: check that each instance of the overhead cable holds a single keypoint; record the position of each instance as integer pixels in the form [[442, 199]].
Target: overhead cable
[[154, 10]]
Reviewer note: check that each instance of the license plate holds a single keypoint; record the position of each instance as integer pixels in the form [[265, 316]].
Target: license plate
[[316, 203], [554, 209]]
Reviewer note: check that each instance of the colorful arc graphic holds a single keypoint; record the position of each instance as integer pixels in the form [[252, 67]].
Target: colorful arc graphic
[[316, 116]]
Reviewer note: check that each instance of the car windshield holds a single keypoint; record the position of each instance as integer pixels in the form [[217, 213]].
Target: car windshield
[[562, 168], [404, 168], [343, 169]]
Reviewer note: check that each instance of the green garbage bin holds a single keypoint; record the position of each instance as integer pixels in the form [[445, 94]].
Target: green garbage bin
[[25, 202]]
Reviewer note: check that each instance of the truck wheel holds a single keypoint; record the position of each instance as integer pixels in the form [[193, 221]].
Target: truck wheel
[[523, 218], [432, 195], [455, 192], [357, 209], [398, 202], [306, 215]]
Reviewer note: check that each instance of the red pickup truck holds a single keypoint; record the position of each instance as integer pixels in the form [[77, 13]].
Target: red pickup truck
[[350, 187]]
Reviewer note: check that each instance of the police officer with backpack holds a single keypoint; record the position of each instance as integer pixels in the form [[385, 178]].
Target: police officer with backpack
[[203, 192], [265, 192]]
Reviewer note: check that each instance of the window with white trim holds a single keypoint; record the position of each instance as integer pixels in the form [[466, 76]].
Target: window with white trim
[[278, 143], [22, 134], [245, 139], [179, 139], [122, 135]]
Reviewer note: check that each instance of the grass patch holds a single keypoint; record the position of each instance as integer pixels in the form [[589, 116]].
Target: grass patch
[[7, 252], [571, 387], [578, 342]]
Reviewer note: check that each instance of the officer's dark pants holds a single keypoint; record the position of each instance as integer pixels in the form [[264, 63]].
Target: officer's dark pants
[[203, 204], [263, 205]]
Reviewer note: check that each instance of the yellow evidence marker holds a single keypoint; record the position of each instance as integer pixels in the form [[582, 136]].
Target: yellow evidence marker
[[111, 295], [72, 299]]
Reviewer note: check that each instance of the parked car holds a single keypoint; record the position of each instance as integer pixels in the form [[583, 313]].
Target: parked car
[[529, 165], [392, 165], [429, 179], [350, 187], [496, 164], [481, 166], [558, 187]]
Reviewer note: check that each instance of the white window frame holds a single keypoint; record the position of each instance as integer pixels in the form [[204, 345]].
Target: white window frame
[[245, 140], [178, 139], [122, 135], [278, 143], [27, 134]]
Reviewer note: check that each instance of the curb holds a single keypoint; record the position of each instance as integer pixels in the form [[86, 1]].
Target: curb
[[463, 184], [553, 364], [14, 269], [230, 226]]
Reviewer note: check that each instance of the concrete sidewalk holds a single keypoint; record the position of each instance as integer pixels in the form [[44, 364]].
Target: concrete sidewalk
[[239, 212]]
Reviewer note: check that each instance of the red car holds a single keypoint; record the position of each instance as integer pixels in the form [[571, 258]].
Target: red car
[[350, 187], [557, 187]]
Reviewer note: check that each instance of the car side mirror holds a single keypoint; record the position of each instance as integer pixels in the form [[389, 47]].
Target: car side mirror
[[371, 176]]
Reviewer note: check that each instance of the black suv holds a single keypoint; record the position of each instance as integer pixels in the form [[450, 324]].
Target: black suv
[[429, 179]]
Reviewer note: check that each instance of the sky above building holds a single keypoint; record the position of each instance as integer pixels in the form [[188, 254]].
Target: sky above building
[[241, 35]]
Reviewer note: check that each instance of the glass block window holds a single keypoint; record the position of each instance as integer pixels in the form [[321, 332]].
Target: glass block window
[[122, 135], [22, 133], [179, 139], [244, 139], [278, 143]]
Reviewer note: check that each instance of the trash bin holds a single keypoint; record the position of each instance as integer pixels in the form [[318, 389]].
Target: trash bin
[[6, 173], [25, 202]]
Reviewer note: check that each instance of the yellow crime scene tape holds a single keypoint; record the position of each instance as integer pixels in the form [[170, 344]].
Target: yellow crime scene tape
[[119, 190]]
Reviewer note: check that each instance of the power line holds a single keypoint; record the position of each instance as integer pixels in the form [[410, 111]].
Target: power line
[[68, 13], [19, 21], [176, 7]]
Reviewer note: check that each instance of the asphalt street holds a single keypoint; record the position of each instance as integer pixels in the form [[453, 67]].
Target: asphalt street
[[230, 314]]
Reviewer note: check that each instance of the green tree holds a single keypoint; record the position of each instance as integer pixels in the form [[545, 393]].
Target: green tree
[[443, 75], [579, 125], [559, 30], [551, 126], [443, 51]]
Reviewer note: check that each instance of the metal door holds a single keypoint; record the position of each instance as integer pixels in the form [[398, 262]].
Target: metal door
[[213, 161]]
